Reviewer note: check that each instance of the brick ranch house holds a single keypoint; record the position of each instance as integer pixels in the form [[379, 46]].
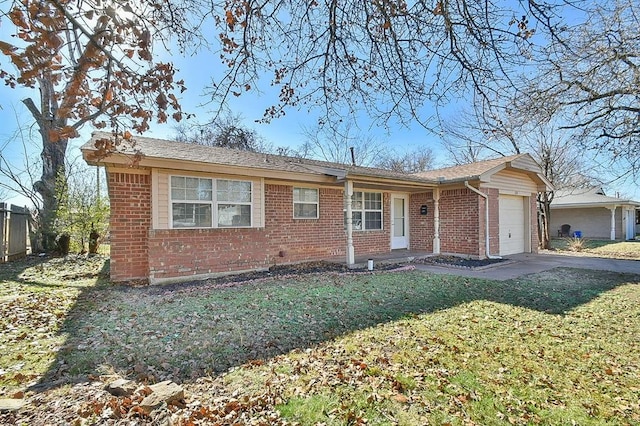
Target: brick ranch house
[[189, 211]]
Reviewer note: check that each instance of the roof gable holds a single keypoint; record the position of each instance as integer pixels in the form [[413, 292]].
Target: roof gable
[[484, 170]]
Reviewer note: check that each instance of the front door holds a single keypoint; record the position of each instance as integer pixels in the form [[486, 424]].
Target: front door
[[399, 222], [630, 219]]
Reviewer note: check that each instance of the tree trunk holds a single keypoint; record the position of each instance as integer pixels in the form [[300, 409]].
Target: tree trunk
[[53, 168], [53, 154], [544, 217], [94, 241]]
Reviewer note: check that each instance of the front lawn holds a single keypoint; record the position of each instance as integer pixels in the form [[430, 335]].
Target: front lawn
[[598, 248], [559, 347]]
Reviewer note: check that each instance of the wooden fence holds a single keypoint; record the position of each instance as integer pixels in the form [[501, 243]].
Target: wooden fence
[[14, 238]]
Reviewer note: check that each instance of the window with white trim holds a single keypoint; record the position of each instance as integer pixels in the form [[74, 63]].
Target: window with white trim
[[206, 203], [305, 203], [234, 203], [192, 202], [366, 211]]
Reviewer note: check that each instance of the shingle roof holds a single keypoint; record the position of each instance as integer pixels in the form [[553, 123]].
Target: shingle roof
[[584, 197], [468, 171], [164, 149]]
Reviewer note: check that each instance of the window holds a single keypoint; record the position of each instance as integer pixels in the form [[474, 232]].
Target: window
[[194, 206], [206, 203], [305, 203], [234, 203], [366, 208]]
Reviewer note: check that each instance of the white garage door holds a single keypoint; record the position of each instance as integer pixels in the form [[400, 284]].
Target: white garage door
[[512, 225]]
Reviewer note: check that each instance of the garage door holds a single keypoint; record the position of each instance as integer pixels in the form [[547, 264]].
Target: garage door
[[512, 225]]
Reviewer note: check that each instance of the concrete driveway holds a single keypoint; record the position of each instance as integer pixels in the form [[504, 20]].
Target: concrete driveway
[[528, 263]]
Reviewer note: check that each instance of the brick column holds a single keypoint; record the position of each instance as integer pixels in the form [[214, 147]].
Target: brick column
[[130, 220]]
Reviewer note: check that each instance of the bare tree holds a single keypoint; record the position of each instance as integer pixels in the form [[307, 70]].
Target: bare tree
[[16, 178], [343, 144], [415, 161], [591, 84], [387, 57], [579, 111], [226, 131]]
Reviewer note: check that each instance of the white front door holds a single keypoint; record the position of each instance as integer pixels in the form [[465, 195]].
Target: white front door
[[630, 218], [399, 222]]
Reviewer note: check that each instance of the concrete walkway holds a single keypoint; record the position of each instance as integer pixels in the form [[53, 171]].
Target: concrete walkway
[[528, 263]]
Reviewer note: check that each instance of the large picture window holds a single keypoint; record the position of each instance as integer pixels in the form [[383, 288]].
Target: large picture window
[[305, 203], [206, 203], [366, 211]]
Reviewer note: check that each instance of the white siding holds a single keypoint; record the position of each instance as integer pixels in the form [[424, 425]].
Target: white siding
[[514, 183], [162, 202]]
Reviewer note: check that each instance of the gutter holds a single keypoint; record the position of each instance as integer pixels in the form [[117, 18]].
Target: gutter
[[486, 210]]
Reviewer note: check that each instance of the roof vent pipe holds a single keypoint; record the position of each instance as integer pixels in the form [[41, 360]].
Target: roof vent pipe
[[486, 210], [353, 156]]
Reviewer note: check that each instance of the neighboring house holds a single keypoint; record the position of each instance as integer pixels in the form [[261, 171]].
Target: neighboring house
[[594, 214], [188, 210]]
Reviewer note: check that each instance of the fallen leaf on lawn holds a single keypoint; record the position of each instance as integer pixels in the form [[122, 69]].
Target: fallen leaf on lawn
[[401, 398]]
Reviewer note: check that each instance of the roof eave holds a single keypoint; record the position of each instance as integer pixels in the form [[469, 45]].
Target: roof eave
[[124, 160], [594, 204]]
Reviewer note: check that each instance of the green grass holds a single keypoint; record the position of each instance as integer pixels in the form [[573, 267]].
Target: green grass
[[559, 347]]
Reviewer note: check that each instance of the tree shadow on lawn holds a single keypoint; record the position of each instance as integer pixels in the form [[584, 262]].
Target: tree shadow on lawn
[[51, 271], [182, 333]]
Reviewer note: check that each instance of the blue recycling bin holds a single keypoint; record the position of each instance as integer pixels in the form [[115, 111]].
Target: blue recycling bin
[[577, 234]]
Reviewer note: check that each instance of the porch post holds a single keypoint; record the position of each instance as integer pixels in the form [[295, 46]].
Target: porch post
[[613, 222], [436, 221], [348, 196]]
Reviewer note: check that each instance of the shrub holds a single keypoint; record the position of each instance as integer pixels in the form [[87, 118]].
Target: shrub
[[576, 244]]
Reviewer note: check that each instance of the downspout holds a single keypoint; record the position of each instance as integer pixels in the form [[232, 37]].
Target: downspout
[[486, 211]]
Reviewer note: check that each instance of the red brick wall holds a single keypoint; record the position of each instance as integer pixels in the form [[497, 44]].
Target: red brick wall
[[130, 200], [459, 222], [183, 252], [178, 252], [139, 251], [303, 239], [421, 226]]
